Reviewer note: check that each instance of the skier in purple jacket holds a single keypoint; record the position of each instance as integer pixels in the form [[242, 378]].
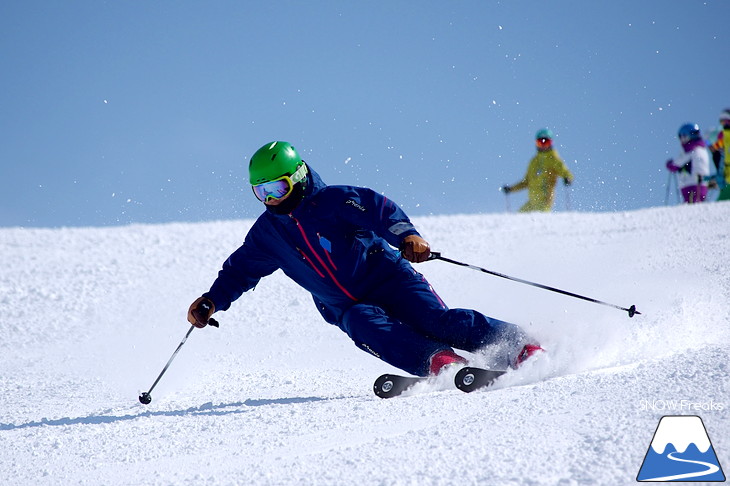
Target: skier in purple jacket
[[336, 242]]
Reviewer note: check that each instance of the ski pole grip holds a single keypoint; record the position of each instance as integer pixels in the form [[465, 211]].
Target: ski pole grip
[[435, 255]]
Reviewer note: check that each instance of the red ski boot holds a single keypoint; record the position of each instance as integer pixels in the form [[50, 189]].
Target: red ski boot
[[442, 359], [527, 351]]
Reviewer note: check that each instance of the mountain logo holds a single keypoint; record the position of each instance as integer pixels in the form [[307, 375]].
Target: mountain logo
[[681, 451]]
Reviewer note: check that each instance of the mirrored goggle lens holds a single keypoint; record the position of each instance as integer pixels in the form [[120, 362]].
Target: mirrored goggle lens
[[274, 189], [543, 142]]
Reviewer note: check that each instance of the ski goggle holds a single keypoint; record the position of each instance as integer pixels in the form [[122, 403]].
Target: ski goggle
[[543, 142], [281, 187]]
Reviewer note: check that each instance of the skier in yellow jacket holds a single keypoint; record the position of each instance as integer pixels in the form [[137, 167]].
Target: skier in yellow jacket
[[721, 151], [542, 174]]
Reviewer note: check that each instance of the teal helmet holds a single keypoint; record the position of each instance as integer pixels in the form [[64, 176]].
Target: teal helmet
[[273, 160], [544, 133]]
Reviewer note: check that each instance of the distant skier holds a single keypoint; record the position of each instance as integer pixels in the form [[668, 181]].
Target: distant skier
[[542, 174], [721, 156], [692, 165], [335, 241]]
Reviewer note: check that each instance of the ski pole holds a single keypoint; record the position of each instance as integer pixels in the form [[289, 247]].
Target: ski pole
[[145, 398], [679, 191], [669, 190], [437, 256]]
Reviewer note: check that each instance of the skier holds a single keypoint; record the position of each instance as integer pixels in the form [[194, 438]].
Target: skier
[[692, 165], [542, 174], [721, 150], [334, 242]]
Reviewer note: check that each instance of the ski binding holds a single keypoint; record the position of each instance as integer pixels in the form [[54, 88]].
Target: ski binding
[[389, 386], [471, 378]]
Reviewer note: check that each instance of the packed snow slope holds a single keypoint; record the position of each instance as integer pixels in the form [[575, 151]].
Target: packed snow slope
[[89, 317]]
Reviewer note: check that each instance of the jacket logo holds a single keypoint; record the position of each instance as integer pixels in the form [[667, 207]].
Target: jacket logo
[[354, 204], [370, 350]]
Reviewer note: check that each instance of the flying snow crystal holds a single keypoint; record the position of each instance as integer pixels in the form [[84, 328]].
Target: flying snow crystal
[[105, 102], [347, 160]]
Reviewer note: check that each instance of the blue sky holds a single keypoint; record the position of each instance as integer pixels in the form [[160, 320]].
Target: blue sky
[[123, 112]]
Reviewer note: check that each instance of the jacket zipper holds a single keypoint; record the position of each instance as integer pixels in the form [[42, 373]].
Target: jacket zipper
[[327, 254], [309, 260], [319, 259]]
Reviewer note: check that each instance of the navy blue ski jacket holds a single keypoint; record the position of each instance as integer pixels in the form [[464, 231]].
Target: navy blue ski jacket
[[336, 244]]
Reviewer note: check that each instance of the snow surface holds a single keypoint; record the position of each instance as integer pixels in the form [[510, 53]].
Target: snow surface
[[89, 316]]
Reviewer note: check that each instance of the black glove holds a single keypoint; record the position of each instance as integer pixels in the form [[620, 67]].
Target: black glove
[[567, 181], [200, 312], [506, 189]]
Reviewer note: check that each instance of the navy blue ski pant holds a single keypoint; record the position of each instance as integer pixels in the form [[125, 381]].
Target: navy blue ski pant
[[404, 322]]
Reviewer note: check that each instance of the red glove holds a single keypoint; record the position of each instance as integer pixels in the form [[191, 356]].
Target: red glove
[[415, 249], [200, 312]]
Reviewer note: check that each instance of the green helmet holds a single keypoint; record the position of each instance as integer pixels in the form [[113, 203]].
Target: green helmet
[[544, 133], [272, 161]]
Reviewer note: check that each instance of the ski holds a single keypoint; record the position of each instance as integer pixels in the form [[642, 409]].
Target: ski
[[467, 380], [470, 378], [389, 386]]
